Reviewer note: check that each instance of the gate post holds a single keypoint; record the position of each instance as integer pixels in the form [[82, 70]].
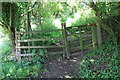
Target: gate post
[[66, 43], [18, 52], [81, 40], [99, 35], [94, 37]]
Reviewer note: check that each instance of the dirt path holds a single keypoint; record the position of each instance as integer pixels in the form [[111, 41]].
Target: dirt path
[[57, 68]]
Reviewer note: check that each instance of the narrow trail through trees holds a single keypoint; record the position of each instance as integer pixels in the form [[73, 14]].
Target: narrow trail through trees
[[56, 68]]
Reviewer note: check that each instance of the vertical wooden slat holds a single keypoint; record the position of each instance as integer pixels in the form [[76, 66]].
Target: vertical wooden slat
[[81, 41], [18, 51], [67, 48], [63, 42], [94, 37], [99, 35]]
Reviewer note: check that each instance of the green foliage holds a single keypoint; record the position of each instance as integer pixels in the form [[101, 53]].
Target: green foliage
[[4, 41], [101, 63], [85, 18], [108, 9], [46, 26], [10, 69], [4, 48], [37, 59]]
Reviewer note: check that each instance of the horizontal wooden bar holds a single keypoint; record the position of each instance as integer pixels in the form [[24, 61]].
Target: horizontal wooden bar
[[22, 47], [39, 31], [73, 34], [87, 38], [87, 41], [77, 53], [75, 49], [27, 54], [53, 53], [88, 50], [44, 39], [74, 42], [87, 35], [94, 24], [87, 32], [87, 46]]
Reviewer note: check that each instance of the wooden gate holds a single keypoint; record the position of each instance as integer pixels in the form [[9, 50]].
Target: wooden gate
[[73, 39]]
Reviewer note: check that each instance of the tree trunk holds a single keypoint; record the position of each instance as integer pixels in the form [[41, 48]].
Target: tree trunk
[[8, 12], [11, 31], [28, 22], [102, 24], [12, 37], [99, 19], [29, 29]]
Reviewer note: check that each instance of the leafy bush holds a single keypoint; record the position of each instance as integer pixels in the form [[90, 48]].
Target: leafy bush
[[28, 67], [4, 44], [101, 63], [11, 70]]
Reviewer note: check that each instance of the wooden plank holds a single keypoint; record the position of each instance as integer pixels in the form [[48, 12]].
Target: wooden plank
[[87, 46], [66, 42], [74, 42], [99, 35], [53, 53], [87, 41], [77, 54], [94, 24], [88, 50], [39, 31], [87, 38], [27, 54], [87, 32], [73, 34], [44, 39], [87, 35], [18, 50], [63, 41], [22, 47], [75, 49], [94, 38], [81, 41]]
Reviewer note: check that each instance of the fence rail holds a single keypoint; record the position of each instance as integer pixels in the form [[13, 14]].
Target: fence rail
[[38, 47], [43, 39], [33, 32]]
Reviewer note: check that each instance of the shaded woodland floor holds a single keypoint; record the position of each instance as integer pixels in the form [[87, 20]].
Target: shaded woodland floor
[[56, 68]]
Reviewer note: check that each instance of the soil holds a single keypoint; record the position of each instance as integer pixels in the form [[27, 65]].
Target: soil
[[61, 68]]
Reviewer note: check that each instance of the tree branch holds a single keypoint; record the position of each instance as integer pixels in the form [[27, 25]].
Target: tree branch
[[100, 21], [30, 9]]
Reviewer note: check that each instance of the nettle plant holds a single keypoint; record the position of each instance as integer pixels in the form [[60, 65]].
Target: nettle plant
[[101, 63]]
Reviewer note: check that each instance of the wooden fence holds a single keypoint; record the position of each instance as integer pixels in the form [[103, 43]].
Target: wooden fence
[[73, 39]]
